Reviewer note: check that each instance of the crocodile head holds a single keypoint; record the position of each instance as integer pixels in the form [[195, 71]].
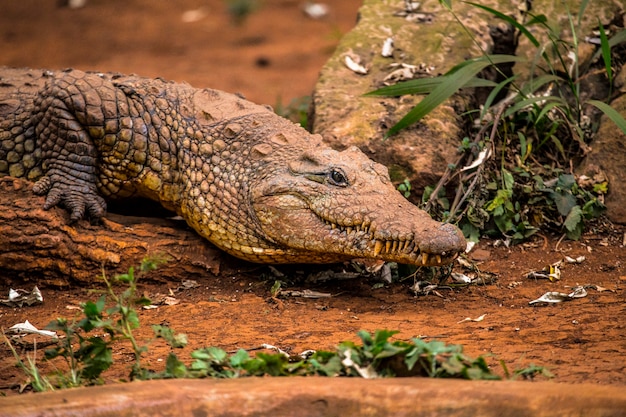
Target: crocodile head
[[327, 206], [265, 190]]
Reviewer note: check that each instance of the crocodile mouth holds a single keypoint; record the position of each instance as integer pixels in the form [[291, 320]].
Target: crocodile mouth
[[402, 249], [310, 233]]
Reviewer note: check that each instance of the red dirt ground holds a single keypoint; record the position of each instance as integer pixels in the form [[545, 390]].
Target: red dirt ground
[[274, 57]]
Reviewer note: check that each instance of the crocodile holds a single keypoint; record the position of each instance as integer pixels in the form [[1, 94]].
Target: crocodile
[[253, 183]]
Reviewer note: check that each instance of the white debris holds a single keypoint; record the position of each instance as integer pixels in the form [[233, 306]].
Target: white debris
[[477, 319], [26, 327], [405, 72], [559, 297], [577, 260], [482, 157], [316, 10], [17, 298], [461, 278], [387, 50], [367, 372], [191, 16], [354, 64]]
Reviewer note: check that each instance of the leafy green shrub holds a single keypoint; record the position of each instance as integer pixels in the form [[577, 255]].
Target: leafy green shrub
[[540, 129]]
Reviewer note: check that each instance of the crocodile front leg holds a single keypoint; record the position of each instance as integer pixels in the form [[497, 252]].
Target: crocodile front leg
[[68, 110], [69, 162]]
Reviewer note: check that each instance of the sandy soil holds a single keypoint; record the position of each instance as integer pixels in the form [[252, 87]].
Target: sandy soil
[[274, 57]]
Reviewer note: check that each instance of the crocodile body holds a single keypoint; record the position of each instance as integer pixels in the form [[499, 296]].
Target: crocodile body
[[251, 182]]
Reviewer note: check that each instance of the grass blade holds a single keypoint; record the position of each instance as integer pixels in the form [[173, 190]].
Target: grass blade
[[616, 39], [531, 101], [453, 82], [510, 20], [494, 93], [611, 113], [423, 86], [606, 52], [581, 12], [535, 83], [545, 110]]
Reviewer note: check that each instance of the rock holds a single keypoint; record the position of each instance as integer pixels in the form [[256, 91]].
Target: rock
[[345, 118], [608, 157], [433, 40]]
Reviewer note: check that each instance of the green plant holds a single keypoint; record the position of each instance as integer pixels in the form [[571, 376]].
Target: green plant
[[542, 125], [38, 382], [405, 188], [297, 110], [239, 10], [375, 357], [87, 354]]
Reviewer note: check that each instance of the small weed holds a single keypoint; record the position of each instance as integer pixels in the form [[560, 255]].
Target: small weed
[[38, 382], [297, 110], [239, 10], [405, 188]]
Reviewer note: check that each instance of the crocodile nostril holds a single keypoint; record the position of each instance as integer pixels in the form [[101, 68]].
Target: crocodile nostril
[[448, 239]]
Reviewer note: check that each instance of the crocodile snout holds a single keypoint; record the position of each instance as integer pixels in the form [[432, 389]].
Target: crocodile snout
[[447, 240]]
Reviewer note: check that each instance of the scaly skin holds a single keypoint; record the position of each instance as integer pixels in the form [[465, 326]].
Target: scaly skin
[[254, 184]]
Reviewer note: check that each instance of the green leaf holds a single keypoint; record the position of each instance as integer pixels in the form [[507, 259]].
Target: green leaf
[[423, 86], [545, 110], [126, 278], [574, 223], [494, 93], [507, 180], [453, 82], [566, 181], [611, 113], [91, 309], [521, 27], [573, 219], [535, 83], [274, 363], [504, 223], [382, 336], [564, 201], [210, 354], [239, 358], [174, 367], [365, 337], [616, 39], [275, 290], [606, 52], [174, 340], [532, 101]]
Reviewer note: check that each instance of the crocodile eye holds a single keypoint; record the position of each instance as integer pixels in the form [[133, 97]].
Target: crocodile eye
[[338, 178]]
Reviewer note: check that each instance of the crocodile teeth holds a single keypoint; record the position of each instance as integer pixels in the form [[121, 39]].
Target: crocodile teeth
[[438, 259], [394, 248], [388, 246], [348, 230], [378, 247], [424, 258]]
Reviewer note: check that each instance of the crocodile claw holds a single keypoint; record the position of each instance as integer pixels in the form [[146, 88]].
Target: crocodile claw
[[79, 198]]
